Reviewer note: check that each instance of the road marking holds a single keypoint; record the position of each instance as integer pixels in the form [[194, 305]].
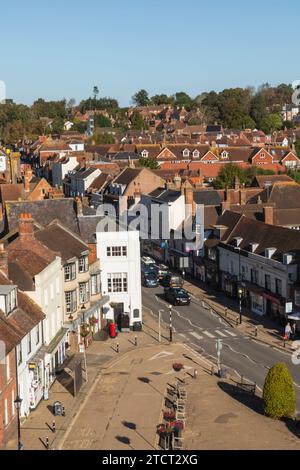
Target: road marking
[[208, 334], [220, 333], [230, 333], [193, 333], [161, 354]]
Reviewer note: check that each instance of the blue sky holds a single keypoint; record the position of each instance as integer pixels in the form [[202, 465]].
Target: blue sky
[[55, 49]]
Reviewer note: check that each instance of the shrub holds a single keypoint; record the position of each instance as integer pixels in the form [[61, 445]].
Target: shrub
[[279, 393]]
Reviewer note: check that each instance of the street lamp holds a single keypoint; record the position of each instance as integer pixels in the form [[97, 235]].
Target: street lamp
[[18, 402], [171, 328], [240, 292], [83, 309]]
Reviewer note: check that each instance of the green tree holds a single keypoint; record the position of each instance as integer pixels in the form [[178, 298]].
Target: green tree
[[227, 175], [103, 138], [149, 163], [271, 123], [279, 395], [162, 99], [183, 99], [137, 122], [102, 121], [141, 98]]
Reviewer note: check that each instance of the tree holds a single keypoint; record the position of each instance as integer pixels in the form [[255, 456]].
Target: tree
[[137, 122], [162, 99], [141, 98], [227, 175], [149, 163], [279, 395], [271, 123], [182, 99], [102, 121], [103, 138]]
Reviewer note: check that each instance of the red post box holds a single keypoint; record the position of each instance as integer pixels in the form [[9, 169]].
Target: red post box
[[112, 330]]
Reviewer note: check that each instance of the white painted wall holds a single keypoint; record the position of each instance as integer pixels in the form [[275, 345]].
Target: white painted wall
[[130, 264]]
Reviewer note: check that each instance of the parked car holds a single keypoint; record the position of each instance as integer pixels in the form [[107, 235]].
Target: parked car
[[171, 280], [177, 296], [149, 279], [146, 260]]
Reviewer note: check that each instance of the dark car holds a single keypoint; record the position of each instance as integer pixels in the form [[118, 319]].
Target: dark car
[[177, 296], [149, 279], [171, 280], [162, 271]]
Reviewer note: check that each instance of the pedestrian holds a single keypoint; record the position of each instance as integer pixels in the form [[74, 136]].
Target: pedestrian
[[288, 331], [294, 330]]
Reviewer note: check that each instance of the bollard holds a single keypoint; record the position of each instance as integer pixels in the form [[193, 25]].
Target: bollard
[[237, 320], [63, 412], [225, 312], [53, 427], [195, 373], [135, 340], [118, 348], [47, 443], [256, 332]]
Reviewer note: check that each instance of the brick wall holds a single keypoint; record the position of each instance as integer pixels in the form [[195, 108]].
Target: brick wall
[[8, 394]]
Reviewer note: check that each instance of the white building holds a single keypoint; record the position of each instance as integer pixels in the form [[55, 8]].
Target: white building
[[119, 254], [61, 168], [82, 179]]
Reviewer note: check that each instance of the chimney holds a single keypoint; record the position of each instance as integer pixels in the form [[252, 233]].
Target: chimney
[[189, 199], [26, 232], [27, 179], [3, 260], [269, 215], [79, 210]]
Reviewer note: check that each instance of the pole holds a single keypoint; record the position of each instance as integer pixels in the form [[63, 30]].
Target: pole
[[159, 327], [85, 366], [20, 445], [171, 328], [240, 309]]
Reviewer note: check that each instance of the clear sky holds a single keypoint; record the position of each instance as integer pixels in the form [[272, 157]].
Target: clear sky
[[61, 48]]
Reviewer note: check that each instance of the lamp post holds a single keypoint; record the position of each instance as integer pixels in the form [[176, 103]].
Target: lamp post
[[171, 328], [240, 292], [159, 325], [18, 402]]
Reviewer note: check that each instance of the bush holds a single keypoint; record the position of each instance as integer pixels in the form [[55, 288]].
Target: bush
[[279, 393]]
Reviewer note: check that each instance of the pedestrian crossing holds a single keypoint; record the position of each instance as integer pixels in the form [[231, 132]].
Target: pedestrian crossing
[[213, 334]]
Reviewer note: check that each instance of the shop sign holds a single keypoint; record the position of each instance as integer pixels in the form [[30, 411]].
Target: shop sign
[[288, 307]]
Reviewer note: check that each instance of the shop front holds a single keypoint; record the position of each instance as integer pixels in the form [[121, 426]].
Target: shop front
[[275, 306], [36, 372], [229, 284], [211, 273]]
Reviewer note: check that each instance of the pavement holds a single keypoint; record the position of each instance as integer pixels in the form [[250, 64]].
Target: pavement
[[121, 404]]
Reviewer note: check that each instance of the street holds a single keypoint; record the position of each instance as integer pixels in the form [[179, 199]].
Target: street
[[200, 329]]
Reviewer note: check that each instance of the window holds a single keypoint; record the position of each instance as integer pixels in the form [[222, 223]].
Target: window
[[71, 301], [95, 284], [224, 155], [7, 369], [116, 251], [70, 272], [278, 284], [186, 153], [11, 301], [212, 254], [37, 337], [84, 292], [117, 282], [262, 155], [254, 276], [83, 264], [29, 343], [196, 154], [19, 353], [268, 282]]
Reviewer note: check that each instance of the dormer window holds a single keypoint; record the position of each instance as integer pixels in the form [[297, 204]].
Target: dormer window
[[224, 154], [196, 154], [145, 154], [8, 298], [186, 153]]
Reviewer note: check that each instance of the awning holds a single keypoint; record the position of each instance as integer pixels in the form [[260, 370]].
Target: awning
[[274, 298], [90, 311], [54, 344], [38, 357]]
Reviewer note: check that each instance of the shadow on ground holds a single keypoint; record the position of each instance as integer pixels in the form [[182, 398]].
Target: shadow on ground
[[253, 402]]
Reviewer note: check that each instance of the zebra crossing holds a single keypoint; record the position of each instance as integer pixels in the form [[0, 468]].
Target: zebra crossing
[[213, 334]]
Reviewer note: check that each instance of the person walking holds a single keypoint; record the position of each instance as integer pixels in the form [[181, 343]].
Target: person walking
[[288, 331]]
